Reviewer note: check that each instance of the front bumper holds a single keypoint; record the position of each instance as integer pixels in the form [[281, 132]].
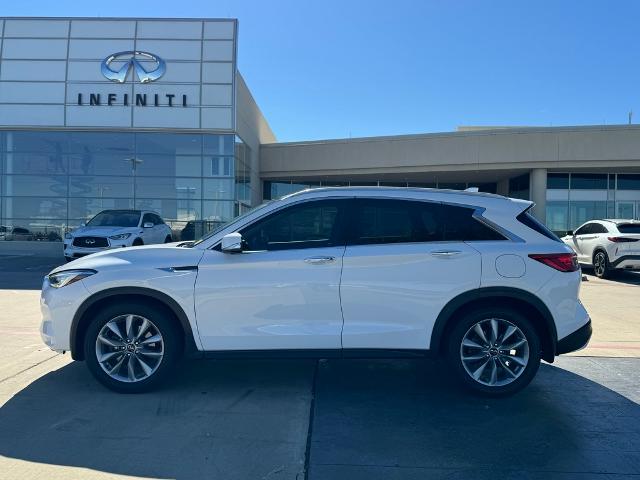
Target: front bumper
[[576, 340], [72, 251]]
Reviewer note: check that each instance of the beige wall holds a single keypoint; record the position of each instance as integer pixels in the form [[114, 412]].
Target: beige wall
[[254, 130], [513, 149]]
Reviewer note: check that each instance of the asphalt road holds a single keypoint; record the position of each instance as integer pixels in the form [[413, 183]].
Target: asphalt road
[[291, 419]]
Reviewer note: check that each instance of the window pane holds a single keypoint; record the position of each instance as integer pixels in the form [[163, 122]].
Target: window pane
[[86, 208], [581, 212], [558, 217], [557, 180], [219, 144], [301, 226], [218, 211], [452, 186], [32, 185], [628, 182], [98, 187], [218, 188], [30, 229], [174, 144], [168, 187], [167, 165], [101, 164], [34, 207], [589, 181], [170, 209]]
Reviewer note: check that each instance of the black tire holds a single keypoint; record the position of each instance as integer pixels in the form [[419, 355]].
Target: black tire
[[137, 242], [168, 239], [165, 324], [601, 265], [524, 374]]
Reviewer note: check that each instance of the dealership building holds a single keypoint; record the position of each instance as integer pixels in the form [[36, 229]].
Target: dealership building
[[120, 113]]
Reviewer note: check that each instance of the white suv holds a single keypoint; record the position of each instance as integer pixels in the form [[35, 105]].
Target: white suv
[[116, 229], [331, 272], [607, 245]]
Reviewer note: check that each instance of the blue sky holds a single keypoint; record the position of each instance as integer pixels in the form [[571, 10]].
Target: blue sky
[[333, 69]]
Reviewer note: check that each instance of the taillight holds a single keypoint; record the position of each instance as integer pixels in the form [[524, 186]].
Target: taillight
[[622, 239], [563, 262]]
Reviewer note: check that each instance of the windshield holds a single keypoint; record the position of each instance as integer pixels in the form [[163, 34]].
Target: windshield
[[115, 218], [231, 222]]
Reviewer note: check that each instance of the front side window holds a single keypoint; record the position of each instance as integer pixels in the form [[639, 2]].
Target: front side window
[[584, 230], [307, 225]]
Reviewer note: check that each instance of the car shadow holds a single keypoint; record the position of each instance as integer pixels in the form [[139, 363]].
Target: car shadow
[[248, 419], [618, 276], [380, 419]]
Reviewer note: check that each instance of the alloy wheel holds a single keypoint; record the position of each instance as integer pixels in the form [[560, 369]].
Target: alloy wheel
[[599, 264], [129, 348], [494, 352]]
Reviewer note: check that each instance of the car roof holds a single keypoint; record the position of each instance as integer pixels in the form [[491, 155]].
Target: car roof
[[480, 199], [122, 210], [620, 221]]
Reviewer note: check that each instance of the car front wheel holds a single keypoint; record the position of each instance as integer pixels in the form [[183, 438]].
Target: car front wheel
[[131, 347], [494, 351]]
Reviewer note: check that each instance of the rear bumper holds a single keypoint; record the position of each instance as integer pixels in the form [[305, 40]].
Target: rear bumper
[[631, 262], [576, 340]]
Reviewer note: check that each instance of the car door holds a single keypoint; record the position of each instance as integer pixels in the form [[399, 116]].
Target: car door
[[159, 229], [581, 241], [282, 291], [400, 268]]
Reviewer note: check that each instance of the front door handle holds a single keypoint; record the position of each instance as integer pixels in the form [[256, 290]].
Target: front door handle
[[446, 253], [319, 260]]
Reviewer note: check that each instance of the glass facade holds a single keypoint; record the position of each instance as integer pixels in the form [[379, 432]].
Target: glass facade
[[52, 181], [275, 189], [574, 198]]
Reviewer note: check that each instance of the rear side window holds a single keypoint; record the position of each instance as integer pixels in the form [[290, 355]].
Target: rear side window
[[598, 228], [403, 221], [629, 228], [534, 224]]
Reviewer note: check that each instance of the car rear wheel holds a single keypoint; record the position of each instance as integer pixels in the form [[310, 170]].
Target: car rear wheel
[[601, 266], [131, 347], [494, 351]]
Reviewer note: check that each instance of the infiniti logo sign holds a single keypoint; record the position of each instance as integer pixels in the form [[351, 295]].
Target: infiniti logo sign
[[136, 61]]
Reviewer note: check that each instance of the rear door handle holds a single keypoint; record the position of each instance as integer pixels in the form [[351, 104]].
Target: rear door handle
[[319, 260], [446, 253]]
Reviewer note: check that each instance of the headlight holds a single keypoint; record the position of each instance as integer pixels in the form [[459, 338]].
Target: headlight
[[121, 236], [67, 277], [68, 236]]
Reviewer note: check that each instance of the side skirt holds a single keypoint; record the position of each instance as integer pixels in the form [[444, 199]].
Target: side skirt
[[322, 353]]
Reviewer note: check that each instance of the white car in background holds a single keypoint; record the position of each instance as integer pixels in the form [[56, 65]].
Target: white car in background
[[116, 229], [607, 245], [365, 272]]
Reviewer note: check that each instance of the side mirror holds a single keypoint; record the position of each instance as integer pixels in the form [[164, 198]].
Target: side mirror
[[232, 243], [570, 232], [83, 224], [147, 225]]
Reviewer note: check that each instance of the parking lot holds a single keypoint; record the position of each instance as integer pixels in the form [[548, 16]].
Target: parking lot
[[327, 419]]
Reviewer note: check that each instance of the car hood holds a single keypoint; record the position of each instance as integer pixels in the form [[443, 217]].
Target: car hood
[[103, 231], [156, 256]]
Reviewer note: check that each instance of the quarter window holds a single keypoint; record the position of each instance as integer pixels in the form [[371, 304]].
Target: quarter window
[[308, 225]]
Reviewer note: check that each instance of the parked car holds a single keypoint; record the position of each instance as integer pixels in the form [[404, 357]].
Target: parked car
[[607, 245], [194, 229], [116, 229], [355, 271], [15, 233]]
